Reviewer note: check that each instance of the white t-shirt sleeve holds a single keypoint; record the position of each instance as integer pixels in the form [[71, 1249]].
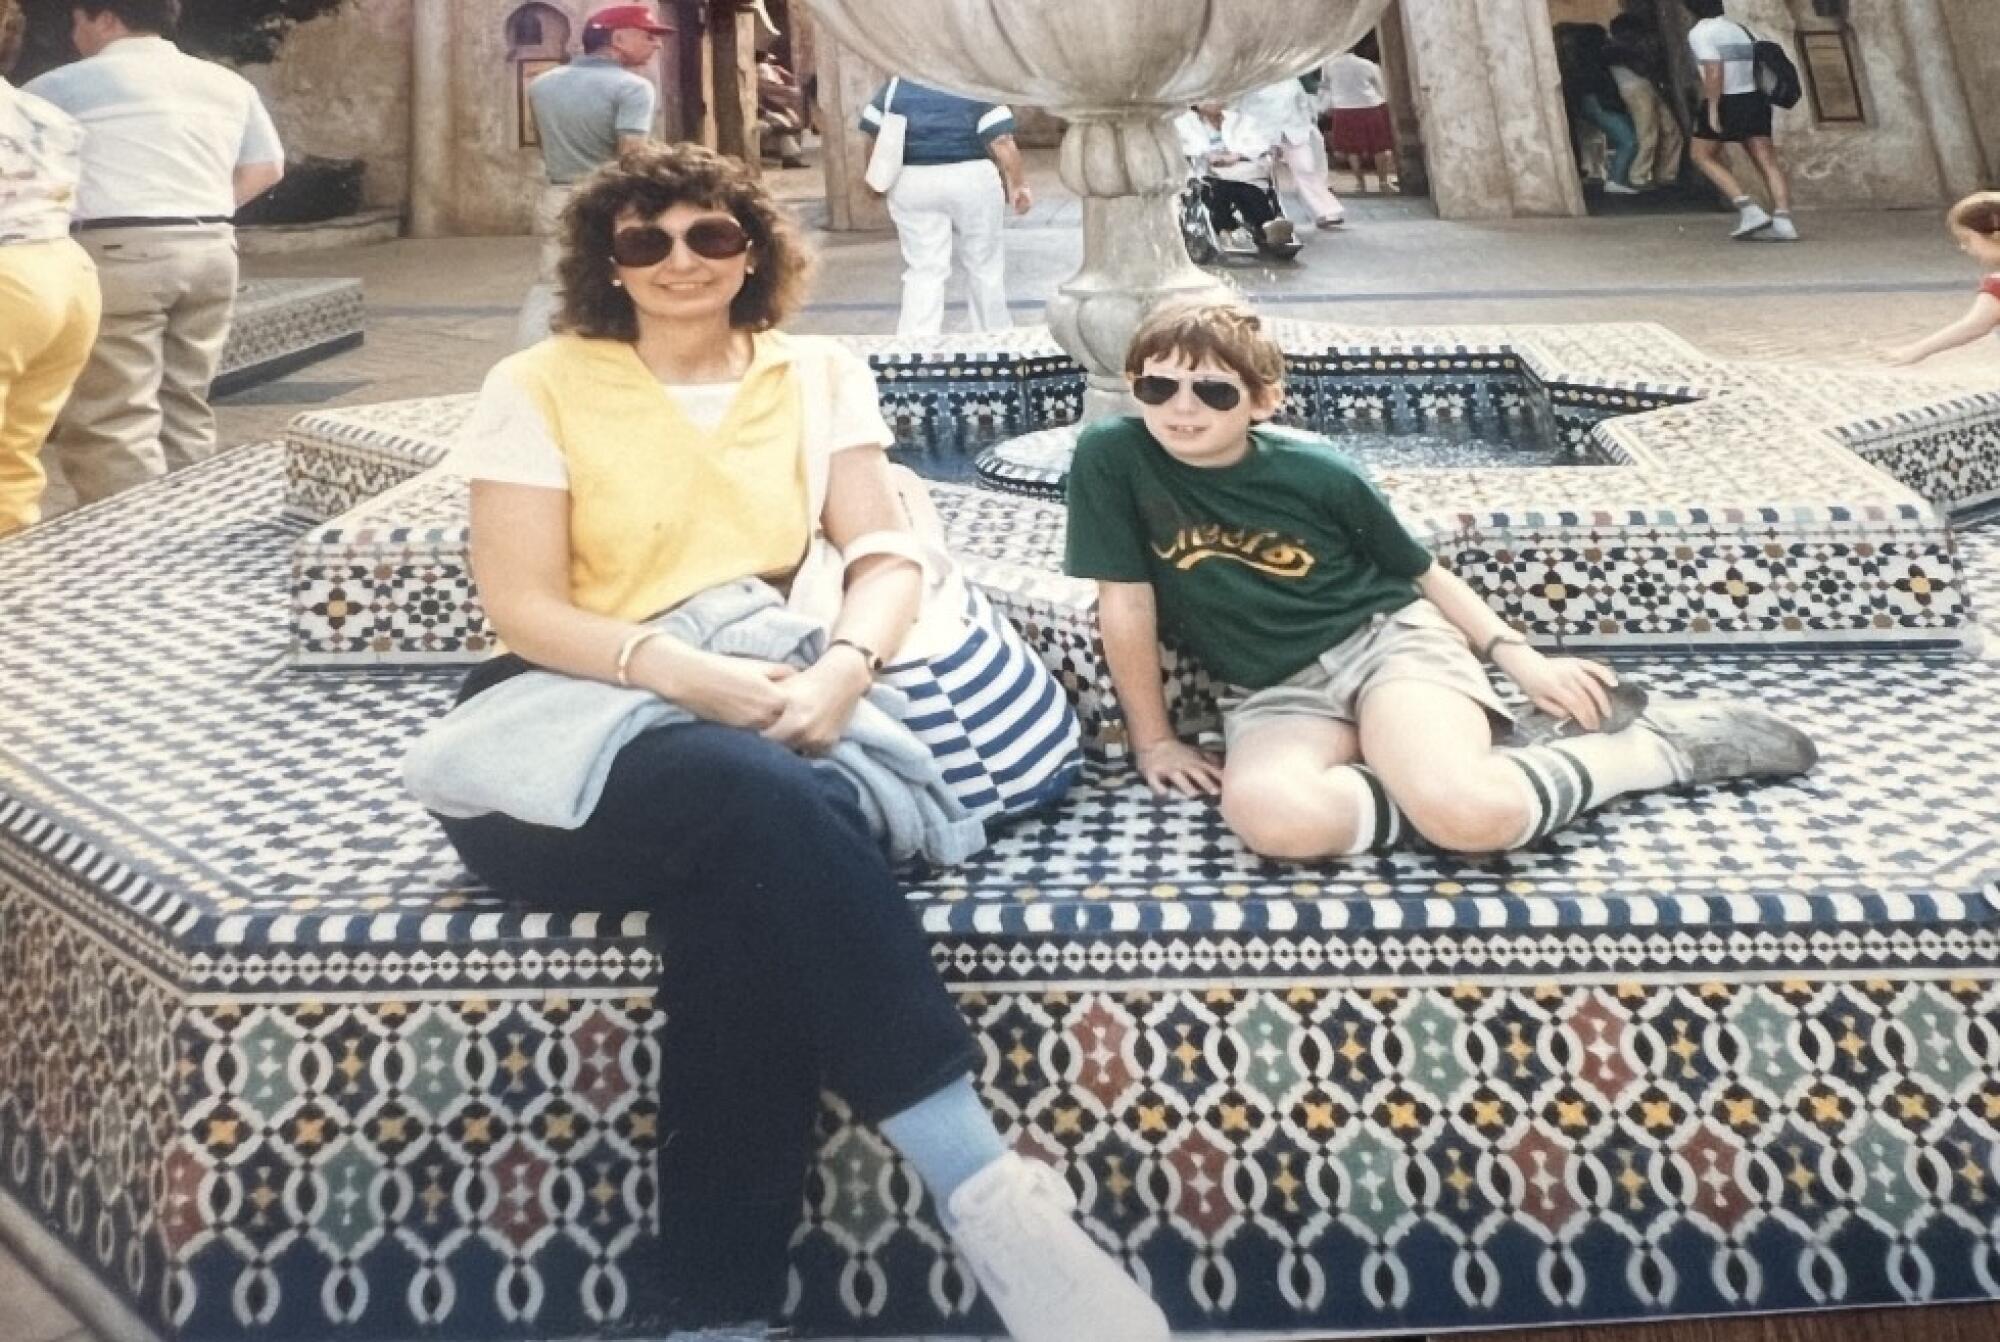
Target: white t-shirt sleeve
[[260, 136], [507, 441], [855, 417], [1701, 41]]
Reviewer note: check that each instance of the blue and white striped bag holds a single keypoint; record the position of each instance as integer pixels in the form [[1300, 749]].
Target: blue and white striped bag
[[994, 717]]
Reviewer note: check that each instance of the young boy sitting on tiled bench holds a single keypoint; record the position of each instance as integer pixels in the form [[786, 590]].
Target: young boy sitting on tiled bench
[[1357, 707]]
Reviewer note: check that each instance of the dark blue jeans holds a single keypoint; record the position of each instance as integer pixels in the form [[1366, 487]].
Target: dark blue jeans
[[792, 964]]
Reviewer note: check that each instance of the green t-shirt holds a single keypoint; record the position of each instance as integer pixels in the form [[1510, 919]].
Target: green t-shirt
[[1258, 567]]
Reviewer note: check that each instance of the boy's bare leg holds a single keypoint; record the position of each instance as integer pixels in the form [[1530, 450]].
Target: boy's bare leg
[[1280, 792], [1433, 749]]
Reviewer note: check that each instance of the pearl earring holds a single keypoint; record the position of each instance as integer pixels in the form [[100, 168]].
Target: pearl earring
[[617, 283]]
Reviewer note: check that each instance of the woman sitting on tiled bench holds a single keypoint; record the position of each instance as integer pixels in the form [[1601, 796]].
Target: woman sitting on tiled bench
[[666, 452]]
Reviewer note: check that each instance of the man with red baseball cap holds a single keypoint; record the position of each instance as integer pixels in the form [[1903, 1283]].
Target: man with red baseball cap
[[588, 112]]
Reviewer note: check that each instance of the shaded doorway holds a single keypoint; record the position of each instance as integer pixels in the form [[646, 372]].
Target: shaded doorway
[[1625, 70]]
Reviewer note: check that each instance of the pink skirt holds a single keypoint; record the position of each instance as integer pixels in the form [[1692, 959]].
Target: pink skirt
[[1362, 131]]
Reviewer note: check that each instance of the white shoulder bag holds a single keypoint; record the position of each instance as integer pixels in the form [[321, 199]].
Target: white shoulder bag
[[886, 162], [821, 582]]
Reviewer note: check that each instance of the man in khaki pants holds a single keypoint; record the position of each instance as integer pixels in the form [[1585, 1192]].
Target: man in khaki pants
[[172, 145]]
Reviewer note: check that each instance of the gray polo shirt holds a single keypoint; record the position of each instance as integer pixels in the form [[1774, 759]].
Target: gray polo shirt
[[582, 108]]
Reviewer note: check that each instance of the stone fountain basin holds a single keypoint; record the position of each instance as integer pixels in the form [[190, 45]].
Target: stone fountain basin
[[1120, 56], [1732, 505]]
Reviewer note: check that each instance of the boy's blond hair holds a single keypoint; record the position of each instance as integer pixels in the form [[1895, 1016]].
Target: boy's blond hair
[[1210, 330]]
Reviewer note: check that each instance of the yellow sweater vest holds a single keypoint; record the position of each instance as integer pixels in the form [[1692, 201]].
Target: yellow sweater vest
[[660, 509]]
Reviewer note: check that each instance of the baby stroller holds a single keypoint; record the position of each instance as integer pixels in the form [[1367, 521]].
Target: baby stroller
[[1217, 229]]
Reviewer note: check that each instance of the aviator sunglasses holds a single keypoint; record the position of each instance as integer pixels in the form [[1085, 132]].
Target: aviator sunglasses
[[716, 239], [1212, 392]]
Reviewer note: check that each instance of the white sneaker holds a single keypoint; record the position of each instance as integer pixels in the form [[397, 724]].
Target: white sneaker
[[1620, 189], [1047, 1279], [1750, 219], [1781, 230]]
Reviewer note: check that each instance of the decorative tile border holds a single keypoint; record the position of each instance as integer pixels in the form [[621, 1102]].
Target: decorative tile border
[[280, 325], [1728, 504]]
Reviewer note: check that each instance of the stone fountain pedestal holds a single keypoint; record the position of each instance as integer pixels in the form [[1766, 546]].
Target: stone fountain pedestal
[[1129, 171], [1118, 71]]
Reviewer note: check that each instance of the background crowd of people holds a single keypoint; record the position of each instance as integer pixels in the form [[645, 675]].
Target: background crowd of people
[[119, 176]]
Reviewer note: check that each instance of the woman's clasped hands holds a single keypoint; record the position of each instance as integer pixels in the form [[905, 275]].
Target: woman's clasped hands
[[805, 710]]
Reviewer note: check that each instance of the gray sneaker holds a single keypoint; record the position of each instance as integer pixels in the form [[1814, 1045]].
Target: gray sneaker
[[1534, 727], [1715, 740]]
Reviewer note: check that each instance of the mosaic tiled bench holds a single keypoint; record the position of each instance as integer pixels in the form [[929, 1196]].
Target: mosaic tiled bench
[[1725, 505], [282, 325], [273, 1069]]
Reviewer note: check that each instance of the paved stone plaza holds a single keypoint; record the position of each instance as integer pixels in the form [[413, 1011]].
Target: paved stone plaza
[[440, 313]]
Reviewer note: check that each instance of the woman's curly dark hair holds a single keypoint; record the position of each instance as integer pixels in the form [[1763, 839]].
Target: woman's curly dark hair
[[648, 180]]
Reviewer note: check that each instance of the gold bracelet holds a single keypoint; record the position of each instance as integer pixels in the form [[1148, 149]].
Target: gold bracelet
[[630, 647]]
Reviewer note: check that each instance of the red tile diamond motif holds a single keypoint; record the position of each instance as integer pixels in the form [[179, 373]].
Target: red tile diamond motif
[[1717, 1194], [518, 1214], [1203, 1201], [1601, 1032], [1543, 1165]]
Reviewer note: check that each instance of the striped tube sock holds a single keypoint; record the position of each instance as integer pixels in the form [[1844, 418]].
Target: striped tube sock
[[1378, 824], [1563, 781]]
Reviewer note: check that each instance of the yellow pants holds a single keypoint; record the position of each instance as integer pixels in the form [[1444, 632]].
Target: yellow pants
[[49, 305]]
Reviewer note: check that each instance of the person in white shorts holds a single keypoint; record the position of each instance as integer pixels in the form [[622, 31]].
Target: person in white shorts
[[961, 169], [1735, 111]]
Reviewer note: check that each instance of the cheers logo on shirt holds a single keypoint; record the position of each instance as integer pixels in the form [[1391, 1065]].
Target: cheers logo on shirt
[[1264, 551]]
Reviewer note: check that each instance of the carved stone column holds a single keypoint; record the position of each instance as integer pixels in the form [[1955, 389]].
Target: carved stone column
[[846, 83], [1954, 134], [1128, 169], [430, 117]]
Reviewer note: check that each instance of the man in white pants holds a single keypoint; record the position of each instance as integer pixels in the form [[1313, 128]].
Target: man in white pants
[[961, 168], [587, 113], [171, 146]]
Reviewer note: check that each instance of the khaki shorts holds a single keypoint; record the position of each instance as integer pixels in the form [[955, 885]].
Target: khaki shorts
[[1414, 643]]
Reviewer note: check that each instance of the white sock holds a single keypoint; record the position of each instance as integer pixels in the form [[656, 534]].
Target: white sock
[[1378, 825], [1583, 773]]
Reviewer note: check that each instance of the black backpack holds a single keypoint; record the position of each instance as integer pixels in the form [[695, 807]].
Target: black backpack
[[1777, 77]]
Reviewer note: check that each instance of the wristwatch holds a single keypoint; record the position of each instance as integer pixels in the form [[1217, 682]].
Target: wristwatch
[[1505, 636], [868, 654]]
